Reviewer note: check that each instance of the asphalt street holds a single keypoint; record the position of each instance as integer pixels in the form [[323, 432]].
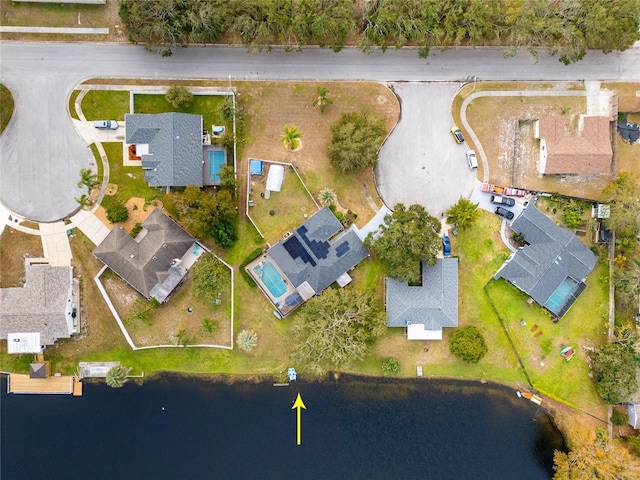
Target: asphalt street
[[41, 154]]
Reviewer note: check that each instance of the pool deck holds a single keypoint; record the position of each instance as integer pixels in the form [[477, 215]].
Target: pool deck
[[258, 279]]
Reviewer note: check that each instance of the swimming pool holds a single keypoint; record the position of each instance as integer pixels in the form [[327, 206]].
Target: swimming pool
[[560, 295], [217, 158], [271, 278]]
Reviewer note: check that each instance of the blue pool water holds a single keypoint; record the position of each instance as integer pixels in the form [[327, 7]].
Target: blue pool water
[[217, 158], [559, 297], [271, 279]]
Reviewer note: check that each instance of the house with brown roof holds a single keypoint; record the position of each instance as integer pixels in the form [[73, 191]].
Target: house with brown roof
[[562, 152], [156, 260]]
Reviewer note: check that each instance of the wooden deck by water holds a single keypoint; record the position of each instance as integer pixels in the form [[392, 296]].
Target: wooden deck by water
[[19, 383]]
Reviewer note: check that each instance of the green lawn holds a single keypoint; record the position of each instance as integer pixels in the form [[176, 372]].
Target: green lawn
[[105, 104], [209, 106], [291, 206], [72, 104], [6, 107], [130, 180]]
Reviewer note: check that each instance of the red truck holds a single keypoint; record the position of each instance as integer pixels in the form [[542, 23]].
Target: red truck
[[510, 192]]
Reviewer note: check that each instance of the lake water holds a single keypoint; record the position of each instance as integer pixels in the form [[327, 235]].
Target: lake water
[[175, 427]]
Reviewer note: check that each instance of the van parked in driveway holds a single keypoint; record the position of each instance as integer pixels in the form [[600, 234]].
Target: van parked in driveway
[[105, 124], [472, 160]]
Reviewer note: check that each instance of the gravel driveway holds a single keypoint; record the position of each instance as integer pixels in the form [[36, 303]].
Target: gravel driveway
[[420, 161]]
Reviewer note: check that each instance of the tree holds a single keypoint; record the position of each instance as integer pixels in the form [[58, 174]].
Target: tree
[[463, 214], [206, 214], [390, 365], [623, 196], [322, 101], [179, 96], [117, 376], [337, 328], [468, 344], [327, 196], [208, 276], [247, 340], [228, 179], [613, 369], [355, 141], [117, 212], [408, 237], [88, 179], [594, 456], [291, 137], [626, 278]]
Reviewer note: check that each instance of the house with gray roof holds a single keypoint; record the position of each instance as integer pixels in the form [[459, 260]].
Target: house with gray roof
[[307, 261], [44, 305], [553, 265], [152, 262], [425, 309], [169, 146]]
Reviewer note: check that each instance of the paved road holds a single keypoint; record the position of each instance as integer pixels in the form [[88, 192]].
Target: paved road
[[41, 155]]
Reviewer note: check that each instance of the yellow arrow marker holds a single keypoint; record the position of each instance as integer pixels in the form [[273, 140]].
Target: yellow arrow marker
[[298, 404]]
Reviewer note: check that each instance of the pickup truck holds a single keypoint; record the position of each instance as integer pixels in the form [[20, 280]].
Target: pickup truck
[[500, 200], [511, 192]]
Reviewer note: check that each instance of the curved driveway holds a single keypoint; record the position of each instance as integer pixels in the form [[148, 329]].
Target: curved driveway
[[41, 155], [421, 162]]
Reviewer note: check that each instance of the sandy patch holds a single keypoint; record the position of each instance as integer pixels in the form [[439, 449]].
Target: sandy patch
[[138, 212]]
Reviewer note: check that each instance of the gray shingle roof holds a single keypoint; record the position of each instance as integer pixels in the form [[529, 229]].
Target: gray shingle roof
[[39, 306], [433, 304], [175, 147], [553, 254], [327, 259], [146, 262]]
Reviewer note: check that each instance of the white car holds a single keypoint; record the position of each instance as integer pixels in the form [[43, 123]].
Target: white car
[[471, 159], [106, 124]]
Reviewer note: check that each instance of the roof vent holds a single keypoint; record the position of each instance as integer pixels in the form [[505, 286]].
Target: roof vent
[[164, 245], [132, 255], [155, 258]]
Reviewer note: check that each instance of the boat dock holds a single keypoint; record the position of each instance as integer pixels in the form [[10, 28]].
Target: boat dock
[[23, 384]]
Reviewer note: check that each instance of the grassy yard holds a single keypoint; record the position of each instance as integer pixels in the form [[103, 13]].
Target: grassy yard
[[62, 15], [209, 106], [105, 104], [290, 206], [6, 107], [628, 101], [12, 259], [130, 180]]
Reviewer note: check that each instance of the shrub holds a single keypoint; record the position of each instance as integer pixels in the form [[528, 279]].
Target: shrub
[[136, 229], [572, 214], [117, 212], [210, 326], [247, 340], [355, 141], [468, 344], [391, 365], [618, 418]]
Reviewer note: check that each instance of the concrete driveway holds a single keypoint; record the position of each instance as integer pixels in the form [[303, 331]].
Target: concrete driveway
[[420, 162]]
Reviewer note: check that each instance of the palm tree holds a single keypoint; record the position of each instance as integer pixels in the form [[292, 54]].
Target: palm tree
[[117, 375], [247, 340], [88, 179], [327, 196], [322, 101], [291, 137]]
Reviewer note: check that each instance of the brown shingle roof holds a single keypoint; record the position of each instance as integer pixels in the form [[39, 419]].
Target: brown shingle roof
[[590, 153]]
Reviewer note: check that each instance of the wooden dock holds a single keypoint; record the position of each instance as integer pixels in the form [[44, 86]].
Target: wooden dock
[[19, 383]]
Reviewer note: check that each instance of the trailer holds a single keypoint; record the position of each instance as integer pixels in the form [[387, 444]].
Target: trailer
[[507, 191]]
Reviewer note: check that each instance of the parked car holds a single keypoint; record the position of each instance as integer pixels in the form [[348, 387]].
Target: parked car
[[105, 124], [500, 200], [503, 212], [457, 134], [471, 159], [446, 246]]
